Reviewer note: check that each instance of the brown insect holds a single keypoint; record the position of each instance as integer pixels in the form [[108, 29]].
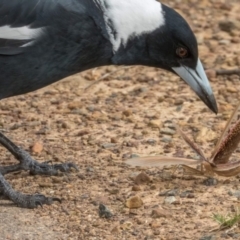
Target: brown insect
[[219, 161]]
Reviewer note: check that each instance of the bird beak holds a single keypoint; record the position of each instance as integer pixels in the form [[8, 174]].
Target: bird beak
[[198, 81]]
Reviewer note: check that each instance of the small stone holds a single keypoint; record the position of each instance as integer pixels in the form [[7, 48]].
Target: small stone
[[56, 179], [114, 191], [45, 185], [161, 99], [224, 42], [133, 175], [114, 140], [37, 147], [210, 182], [187, 194], [108, 145], [104, 212], [142, 178], [133, 155], [167, 131], [155, 124], [115, 229], [160, 213], [178, 102], [136, 188], [211, 73], [234, 193], [126, 226], [207, 238], [226, 6], [153, 187], [156, 232], [74, 105], [206, 135], [139, 126], [127, 113], [89, 169], [65, 125], [134, 202], [169, 193], [232, 89], [228, 25], [151, 142], [170, 200], [166, 139], [83, 132]]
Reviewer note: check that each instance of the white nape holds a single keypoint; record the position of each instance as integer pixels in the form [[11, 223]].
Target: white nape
[[131, 18]]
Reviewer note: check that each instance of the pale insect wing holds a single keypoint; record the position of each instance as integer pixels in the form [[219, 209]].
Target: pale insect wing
[[160, 161]]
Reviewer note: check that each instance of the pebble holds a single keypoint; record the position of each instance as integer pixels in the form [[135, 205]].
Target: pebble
[[160, 213], [210, 182], [170, 200], [142, 178], [232, 89], [134, 202], [206, 135], [74, 105], [211, 73], [108, 145], [173, 192], [234, 193], [187, 194], [178, 102], [104, 212], [224, 42], [114, 140], [136, 188], [45, 185], [133, 175], [166, 139], [133, 155], [211, 237], [151, 141], [155, 124], [228, 25], [167, 131], [37, 147], [127, 113]]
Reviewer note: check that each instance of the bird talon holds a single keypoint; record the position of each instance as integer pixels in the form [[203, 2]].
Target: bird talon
[[57, 200], [38, 203]]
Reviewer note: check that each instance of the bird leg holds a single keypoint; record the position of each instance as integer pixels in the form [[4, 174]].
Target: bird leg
[[24, 200], [28, 163]]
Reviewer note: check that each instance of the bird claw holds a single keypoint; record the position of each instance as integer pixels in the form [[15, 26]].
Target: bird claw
[[47, 169], [33, 201], [66, 167], [57, 200]]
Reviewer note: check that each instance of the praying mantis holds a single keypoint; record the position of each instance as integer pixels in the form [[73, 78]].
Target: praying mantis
[[218, 163]]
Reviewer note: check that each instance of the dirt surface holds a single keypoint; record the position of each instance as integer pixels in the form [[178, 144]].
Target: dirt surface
[[128, 113]]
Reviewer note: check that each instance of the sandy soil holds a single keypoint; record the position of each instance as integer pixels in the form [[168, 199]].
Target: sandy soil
[[129, 113]]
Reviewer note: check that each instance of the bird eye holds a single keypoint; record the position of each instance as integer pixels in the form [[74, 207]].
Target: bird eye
[[182, 52]]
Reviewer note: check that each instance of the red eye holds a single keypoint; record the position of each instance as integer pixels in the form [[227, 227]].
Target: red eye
[[182, 52]]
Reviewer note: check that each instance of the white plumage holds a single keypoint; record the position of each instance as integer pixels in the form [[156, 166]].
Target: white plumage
[[131, 18], [19, 33]]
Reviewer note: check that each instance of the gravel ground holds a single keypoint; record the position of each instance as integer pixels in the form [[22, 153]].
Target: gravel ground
[[99, 128]]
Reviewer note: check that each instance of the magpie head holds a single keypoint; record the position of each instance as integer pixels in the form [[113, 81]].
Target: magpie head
[[171, 46]]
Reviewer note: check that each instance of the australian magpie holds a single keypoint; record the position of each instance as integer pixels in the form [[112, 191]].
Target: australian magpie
[[44, 41]]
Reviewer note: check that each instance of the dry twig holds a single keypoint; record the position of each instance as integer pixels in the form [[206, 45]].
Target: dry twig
[[228, 71]]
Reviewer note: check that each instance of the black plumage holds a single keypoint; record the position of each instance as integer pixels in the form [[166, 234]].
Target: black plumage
[[42, 42]]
